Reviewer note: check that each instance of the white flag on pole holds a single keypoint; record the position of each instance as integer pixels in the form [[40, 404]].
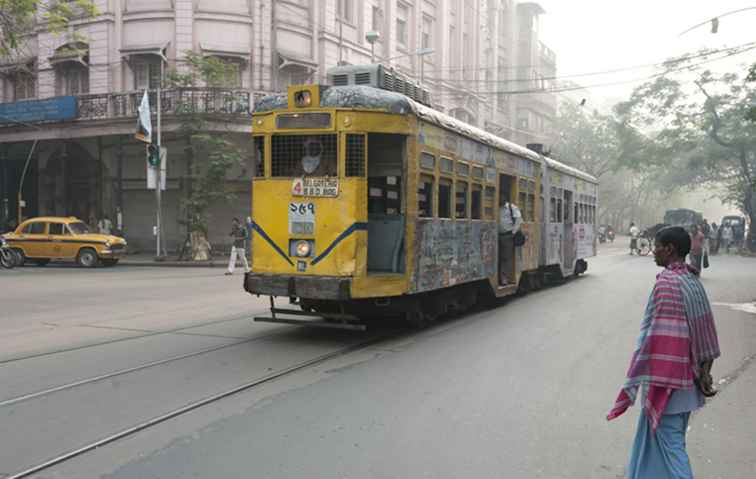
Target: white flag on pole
[[144, 121]]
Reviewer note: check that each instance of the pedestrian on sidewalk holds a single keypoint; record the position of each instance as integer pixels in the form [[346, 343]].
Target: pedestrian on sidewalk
[[240, 237], [697, 248], [726, 237], [634, 235], [714, 238], [671, 364]]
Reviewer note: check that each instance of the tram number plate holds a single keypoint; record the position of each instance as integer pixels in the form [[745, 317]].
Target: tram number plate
[[319, 187], [301, 218]]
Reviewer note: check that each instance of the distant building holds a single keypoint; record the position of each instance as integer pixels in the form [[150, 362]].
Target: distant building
[[475, 56]]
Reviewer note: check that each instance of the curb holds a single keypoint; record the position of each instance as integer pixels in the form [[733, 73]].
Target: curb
[[175, 264]]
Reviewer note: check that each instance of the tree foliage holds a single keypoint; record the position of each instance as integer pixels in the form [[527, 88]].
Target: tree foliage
[[211, 155], [19, 17], [699, 131]]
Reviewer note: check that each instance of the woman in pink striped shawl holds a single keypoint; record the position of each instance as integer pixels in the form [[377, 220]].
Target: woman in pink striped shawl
[[671, 364]]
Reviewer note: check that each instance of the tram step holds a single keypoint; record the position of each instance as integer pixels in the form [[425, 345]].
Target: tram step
[[311, 323], [297, 312]]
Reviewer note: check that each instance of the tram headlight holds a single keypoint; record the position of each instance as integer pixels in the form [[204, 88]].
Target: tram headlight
[[300, 248]]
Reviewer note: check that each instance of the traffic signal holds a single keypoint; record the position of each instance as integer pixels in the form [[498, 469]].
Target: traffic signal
[[153, 154]]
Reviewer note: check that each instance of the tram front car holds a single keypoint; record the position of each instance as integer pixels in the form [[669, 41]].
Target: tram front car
[[311, 195]]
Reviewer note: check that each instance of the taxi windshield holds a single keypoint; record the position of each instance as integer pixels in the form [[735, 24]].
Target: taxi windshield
[[78, 228]]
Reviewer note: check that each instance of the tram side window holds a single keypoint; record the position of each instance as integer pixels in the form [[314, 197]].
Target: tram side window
[[444, 198], [476, 200], [425, 190], [522, 202], [559, 210], [488, 202], [303, 155], [461, 200], [578, 213], [355, 155], [258, 156], [553, 210]]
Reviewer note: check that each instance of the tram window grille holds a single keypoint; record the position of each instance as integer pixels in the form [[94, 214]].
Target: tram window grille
[[523, 203], [578, 213], [460, 210], [444, 198], [291, 154], [463, 169], [477, 173], [425, 196], [258, 156], [355, 155], [553, 211], [559, 210], [476, 202]]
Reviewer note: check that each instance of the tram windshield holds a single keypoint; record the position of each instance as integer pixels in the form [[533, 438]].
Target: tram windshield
[[304, 155]]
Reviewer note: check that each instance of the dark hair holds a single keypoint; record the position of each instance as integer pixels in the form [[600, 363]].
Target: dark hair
[[677, 237], [236, 219]]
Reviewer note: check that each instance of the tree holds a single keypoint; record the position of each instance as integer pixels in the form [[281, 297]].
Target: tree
[[699, 132], [19, 17], [210, 155], [597, 144]]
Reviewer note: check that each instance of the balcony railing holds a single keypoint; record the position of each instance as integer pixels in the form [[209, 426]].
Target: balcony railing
[[208, 101]]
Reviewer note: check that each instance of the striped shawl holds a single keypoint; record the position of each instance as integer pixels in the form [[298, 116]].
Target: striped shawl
[[677, 335]]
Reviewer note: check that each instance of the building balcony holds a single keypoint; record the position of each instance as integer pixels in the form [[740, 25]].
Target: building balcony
[[113, 106]]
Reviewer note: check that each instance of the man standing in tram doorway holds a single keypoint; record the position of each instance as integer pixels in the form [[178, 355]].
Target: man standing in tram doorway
[[671, 365], [510, 222], [238, 248]]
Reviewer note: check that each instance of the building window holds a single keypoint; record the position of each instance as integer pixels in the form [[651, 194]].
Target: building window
[[72, 79], [229, 72], [378, 20], [21, 85], [402, 19], [293, 75], [427, 38], [147, 71], [453, 50], [345, 10]]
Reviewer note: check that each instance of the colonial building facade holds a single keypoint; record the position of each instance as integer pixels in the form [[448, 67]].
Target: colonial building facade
[[481, 59]]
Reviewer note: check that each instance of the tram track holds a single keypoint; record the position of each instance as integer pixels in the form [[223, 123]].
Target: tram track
[[53, 352], [214, 398]]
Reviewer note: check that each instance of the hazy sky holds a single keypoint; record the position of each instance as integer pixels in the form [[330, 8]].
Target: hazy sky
[[597, 35]]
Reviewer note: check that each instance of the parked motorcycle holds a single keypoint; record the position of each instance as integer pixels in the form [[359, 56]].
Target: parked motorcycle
[[610, 235], [602, 237], [7, 255]]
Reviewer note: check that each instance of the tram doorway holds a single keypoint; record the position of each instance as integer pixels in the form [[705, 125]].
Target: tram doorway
[[387, 164], [507, 256]]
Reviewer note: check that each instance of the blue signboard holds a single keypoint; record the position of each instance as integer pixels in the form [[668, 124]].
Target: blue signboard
[[50, 109]]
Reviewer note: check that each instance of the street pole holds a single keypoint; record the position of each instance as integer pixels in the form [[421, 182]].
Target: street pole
[[158, 168]]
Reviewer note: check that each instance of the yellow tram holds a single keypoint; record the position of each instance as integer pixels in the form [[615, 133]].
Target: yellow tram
[[367, 202]]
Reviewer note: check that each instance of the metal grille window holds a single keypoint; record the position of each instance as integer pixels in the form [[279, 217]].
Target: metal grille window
[[258, 156], [463, 169], [477, 172], [303, 155], [488, 202], [355, 155]]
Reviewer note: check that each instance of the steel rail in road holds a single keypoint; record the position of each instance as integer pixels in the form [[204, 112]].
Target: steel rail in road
[[198, 404], [120, 372], [238, 317]]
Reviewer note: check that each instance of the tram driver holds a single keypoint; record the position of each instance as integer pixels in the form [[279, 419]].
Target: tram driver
[[510, 222]]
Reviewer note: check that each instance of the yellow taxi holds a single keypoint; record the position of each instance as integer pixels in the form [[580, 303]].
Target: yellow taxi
[[42, 239]]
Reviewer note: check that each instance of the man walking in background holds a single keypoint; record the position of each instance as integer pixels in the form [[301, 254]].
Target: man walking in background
[[634, 234], [671, 365], [240, 238]]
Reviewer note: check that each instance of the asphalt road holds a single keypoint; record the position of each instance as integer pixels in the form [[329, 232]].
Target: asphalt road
[[516, 391]]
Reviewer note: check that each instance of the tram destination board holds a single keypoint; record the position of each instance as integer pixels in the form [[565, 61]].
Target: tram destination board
[[317, 187]]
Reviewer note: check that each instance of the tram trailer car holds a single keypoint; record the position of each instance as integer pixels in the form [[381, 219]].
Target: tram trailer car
[[367, 202]]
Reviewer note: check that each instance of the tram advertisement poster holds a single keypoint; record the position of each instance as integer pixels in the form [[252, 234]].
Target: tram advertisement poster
[[318, 187]]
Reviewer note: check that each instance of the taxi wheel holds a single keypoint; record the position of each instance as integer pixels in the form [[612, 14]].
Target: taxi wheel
[[87, 258], [20, 258]]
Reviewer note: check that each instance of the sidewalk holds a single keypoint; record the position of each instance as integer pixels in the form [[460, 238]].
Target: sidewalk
[[144, 259]]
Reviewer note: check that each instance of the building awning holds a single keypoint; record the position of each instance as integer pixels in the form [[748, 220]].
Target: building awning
[[291, 58], [73, 52], [16, 64], [157, 49], [238, 53]]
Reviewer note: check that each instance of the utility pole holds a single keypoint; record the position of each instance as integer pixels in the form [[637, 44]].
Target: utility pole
[[158, 168]]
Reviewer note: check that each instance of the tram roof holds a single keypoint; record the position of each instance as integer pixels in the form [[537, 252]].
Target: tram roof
[[569, 170], [371, 98]]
